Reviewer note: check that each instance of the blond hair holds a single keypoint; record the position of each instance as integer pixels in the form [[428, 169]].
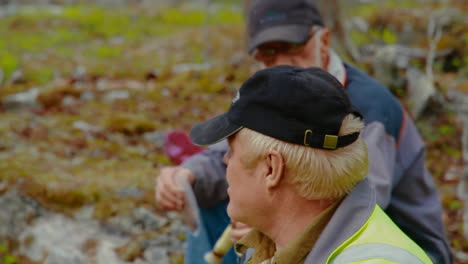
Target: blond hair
[[315, 173]]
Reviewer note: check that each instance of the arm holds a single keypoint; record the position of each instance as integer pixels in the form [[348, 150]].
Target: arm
[[415, 206], [210, 174], [405, 189]]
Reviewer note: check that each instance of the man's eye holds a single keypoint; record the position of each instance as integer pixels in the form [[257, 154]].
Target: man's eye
[[270, 51]]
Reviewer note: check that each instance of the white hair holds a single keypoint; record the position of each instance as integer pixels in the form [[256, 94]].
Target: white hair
[[315, 173]]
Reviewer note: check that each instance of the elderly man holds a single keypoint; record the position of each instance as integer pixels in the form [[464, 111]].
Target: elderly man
[[292, 33], [295, 169]]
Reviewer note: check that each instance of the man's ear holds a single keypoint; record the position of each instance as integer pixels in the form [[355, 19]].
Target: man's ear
[[275, 169], [325, 38]]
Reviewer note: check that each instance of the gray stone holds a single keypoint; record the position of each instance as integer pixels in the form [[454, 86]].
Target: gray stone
[[62, 240], [141, 220], [168, 241], [51, 235], [122, 223], [79, 73], [54, 258], [383, 63], [462, 256], [106, 252], [185, 67], [84, 213], [156, 255], [22, 101], [68, 101], [131, 191], [148, 220], [87, 96], [16, 77], [16, 211], [420, 90], [85, 127], [157, 137], [112, 96], [359, 23]]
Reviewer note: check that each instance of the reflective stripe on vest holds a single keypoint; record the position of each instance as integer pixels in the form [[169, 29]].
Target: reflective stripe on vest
[[376, 251]]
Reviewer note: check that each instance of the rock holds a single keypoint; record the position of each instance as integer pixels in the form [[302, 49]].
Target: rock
[[59, 239], [56, 237], [185, 67], [140, 220], [168, 242], [420, 90], [16, 211], [383, 63], [117, 40], [134, 85], [22, 101], [68, 101], [79, 73], [359, 23], [131, 191], [16, 77], [157, 137], [148, 220], [87, 96], [84, 213], [462, 256], [111, 96], [122, 224], [157, 255], [85, 127], [106, 253]]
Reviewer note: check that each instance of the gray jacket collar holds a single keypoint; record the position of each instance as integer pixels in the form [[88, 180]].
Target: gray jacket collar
[[350, 216]]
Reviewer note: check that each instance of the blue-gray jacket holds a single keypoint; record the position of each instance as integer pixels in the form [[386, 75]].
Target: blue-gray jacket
[[404, 187]]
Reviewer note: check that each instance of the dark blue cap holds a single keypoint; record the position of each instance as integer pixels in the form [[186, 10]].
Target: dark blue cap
[[289, 103], [281, 20]]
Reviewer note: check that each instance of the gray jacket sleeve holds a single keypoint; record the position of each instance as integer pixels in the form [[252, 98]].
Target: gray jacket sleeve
[[405, 189], [415, 206], [210, 174], [381, 149]]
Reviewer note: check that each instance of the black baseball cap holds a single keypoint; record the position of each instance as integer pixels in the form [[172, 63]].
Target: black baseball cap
[[289, 103], [281, 20]]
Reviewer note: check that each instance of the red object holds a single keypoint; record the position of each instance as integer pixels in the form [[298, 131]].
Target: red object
[[179, 147]]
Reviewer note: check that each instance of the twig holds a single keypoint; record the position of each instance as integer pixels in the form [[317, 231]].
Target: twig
[[434, 33]]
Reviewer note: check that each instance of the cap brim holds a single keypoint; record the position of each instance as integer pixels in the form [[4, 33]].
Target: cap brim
[[288, 33], [213, 130]]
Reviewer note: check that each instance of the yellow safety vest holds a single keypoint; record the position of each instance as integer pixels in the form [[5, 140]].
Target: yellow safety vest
[[380, 241]]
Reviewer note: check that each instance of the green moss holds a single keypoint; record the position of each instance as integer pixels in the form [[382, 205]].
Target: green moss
[[389, 37], [9, 259], [90, 30], [8, 62], [369, 9]]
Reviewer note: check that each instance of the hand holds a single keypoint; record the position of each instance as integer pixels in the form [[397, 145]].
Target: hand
[[239, 230], [169, 191]]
